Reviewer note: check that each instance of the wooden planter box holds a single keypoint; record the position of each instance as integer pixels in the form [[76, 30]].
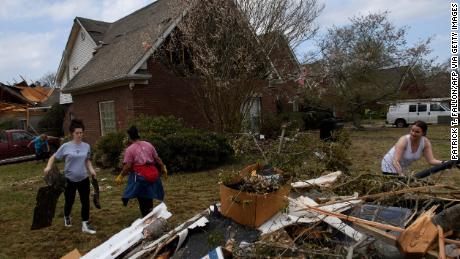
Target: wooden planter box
[[252, 209]]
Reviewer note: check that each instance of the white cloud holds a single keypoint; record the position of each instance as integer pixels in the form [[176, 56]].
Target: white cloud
[[27, 54], [113, 10], [67, 9]]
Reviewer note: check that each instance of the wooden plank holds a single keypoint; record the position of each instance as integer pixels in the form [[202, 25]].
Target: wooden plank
[[377, 233], [415, 240], [390, 193], [336, 223], [442, 246], [354, 219]]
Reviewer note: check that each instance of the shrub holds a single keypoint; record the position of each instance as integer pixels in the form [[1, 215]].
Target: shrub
[[159, 125], [271, 125], [192, 150], [53, 120], [108, 149], [180, 148], [7, 124]]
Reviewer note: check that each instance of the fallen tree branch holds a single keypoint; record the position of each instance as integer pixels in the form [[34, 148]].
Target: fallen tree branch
[[384, 194]]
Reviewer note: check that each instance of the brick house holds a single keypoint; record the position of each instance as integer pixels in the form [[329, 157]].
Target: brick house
[[108, 74]]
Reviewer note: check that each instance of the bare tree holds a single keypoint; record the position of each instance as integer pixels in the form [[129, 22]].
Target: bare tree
[[366, 62], [48, 79], [221, 40], [293, 18]]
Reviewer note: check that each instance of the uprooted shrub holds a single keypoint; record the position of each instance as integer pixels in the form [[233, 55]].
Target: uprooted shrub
[[180, 148], [302, 156]]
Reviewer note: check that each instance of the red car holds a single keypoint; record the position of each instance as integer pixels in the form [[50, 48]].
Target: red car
[[13, 145]]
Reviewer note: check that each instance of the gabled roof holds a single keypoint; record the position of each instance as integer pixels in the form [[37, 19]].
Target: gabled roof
[[125, 43], [96, 29]]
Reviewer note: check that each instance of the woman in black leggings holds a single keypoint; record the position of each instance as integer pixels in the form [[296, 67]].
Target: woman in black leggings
[[76, 154]]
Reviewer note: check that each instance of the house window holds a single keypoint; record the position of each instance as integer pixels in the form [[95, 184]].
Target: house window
[[107, 117]]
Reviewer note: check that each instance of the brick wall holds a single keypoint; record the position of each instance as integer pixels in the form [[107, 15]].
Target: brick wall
[[165, 94], [86, 107]]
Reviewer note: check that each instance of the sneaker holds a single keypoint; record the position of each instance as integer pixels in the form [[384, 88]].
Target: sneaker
[[67, 221], [86, 228]]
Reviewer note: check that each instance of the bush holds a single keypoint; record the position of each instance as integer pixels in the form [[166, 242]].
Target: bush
[[53, 120], [159, 125], [194, 150], [180, 148], [8, 124], [271, 125], [108, 149]]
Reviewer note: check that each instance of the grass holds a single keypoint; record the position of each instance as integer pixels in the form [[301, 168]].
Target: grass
[[186, 194]]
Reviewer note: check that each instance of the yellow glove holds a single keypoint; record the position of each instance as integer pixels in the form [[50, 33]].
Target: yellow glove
[[165, 171], [119, 179]]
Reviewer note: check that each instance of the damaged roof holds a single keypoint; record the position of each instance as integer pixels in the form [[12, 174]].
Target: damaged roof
[[124, 45], [96, 29], [12, 107], [28, 94]]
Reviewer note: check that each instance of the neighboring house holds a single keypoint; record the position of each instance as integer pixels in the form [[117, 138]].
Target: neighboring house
[[110, 72], [24, 104]]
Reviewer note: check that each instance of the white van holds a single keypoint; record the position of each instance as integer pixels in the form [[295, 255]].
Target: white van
[[406, 112]]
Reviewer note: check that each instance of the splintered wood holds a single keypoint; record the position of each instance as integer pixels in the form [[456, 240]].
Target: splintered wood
[[415, 240]]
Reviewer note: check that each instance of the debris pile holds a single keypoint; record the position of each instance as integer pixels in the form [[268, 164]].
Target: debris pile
[[333, 216]]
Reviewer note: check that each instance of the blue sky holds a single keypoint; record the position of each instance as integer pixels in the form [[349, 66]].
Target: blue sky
[[33, 33]]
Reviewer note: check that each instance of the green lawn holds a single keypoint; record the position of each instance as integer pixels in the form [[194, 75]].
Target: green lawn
[[186, 194]]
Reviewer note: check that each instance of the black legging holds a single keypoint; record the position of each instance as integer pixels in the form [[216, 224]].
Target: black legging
[[145, 205], [83, 191]]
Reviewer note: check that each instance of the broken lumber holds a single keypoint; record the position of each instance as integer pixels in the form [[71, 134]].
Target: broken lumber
[[128, 237], [323, 181], [415, 240], [390, 193], [354, 219], [442, 245], [335, 222]]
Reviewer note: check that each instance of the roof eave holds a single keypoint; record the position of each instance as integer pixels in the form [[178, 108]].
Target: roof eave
[[107, 84]]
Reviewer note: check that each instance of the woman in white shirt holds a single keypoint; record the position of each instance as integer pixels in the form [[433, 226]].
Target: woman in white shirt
[[408, 149]]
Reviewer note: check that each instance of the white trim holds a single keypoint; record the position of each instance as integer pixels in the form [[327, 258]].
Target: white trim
[[100, 115], [83, 27], [63, 64], [157, 44]]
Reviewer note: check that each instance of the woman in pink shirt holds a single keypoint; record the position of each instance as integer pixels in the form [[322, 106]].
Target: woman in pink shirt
[[144, 181]]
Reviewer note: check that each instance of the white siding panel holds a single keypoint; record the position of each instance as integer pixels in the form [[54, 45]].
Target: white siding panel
[[81, 53]]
